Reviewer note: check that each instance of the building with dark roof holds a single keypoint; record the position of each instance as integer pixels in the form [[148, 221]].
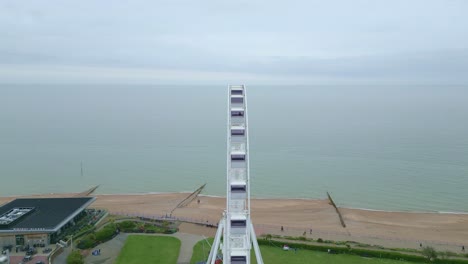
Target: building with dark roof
[[29, 221]]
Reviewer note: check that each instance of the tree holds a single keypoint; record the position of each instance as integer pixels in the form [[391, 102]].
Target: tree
[[429, 253], [106, 233], [75, 258]]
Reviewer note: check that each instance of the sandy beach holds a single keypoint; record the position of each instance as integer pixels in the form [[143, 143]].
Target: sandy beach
[[390, 229]]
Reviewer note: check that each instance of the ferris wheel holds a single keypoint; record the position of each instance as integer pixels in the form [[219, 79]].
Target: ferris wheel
[[235, 235]]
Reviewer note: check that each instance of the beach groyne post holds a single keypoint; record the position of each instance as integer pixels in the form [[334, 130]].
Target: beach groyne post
[[189, 198], [337, 210]]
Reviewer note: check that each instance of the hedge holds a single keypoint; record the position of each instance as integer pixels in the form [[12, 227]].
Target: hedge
[[75, 258], [126, 226], [103, 235], [364, 252], [89, 241], [137, 227], [106, 233]]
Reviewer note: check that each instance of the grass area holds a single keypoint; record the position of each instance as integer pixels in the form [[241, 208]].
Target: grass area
[[149, 249], [201, 250], [274, 255]]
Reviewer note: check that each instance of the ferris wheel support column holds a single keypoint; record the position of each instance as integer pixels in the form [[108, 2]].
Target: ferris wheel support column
[[216, 243], [258, 254]]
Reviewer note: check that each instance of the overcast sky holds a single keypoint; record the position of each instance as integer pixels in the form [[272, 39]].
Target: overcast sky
[[234, 41]]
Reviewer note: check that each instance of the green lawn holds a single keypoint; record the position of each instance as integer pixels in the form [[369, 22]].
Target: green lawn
[[278, 255], [149, 249], [272, 255], [201, 250]]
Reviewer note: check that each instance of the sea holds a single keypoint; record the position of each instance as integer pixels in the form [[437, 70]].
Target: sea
[[378, 147]]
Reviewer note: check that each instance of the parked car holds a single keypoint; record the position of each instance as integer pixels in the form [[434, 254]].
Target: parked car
[[31, 251]]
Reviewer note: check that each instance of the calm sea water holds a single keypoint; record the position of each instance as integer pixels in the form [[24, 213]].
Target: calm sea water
[[377, 147]]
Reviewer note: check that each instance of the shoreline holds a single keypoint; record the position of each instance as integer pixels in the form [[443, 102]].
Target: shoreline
[[253, 198], [402, 211]]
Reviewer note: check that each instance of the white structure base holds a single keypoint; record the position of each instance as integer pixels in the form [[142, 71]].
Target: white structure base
[[217, 246]]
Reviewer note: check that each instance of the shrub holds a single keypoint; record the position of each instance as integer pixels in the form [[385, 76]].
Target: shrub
[[429, 253], [88, 241], [320, 240], [340, 242], [141, 228], [165, 223], [106, 233], [75, 258], [153, 229], [84, 231], [170, 231], [127, 226]]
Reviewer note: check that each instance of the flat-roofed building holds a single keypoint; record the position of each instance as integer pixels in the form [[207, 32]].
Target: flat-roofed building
[[32, 221]]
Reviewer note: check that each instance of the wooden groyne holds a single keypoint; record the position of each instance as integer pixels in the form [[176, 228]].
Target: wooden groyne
[[189, 198], [337, 210], [87, 192]]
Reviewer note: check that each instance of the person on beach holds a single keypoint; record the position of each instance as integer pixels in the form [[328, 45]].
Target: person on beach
[[282, 229], [310, 231], [463, 248]]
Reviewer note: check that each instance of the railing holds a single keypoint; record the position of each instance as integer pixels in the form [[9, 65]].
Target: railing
[[57, 251]]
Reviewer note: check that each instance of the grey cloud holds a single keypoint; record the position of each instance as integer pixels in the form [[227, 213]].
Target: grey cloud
[[333, 39]]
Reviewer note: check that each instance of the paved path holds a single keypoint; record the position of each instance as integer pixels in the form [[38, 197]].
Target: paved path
[[62, 257], [109, 251], [186, 248]]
